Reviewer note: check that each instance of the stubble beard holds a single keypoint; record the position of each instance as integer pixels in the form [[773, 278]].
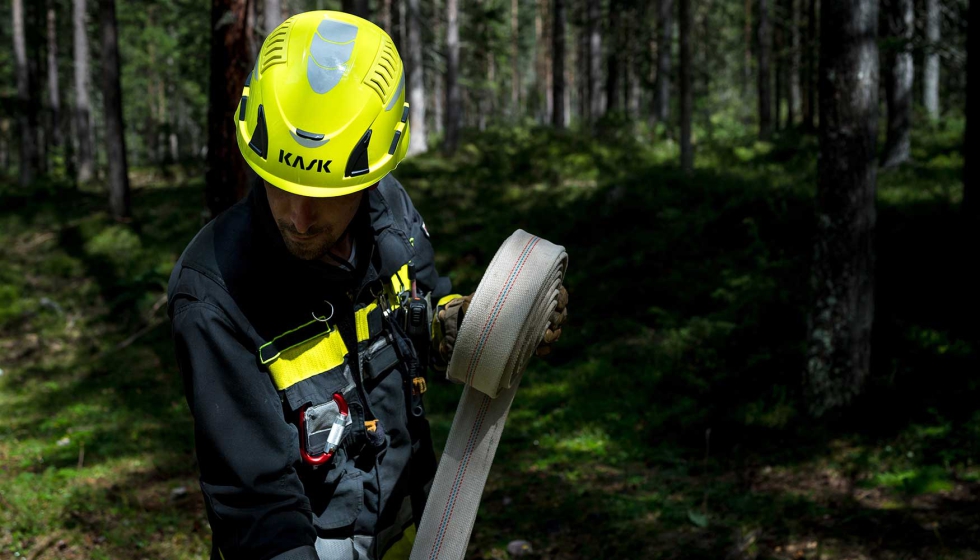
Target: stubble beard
[[314, 248]]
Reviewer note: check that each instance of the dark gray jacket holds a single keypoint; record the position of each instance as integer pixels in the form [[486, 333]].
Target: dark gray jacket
[[236, 289]]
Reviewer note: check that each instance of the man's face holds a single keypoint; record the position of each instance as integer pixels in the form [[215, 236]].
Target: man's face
[[311, 226]]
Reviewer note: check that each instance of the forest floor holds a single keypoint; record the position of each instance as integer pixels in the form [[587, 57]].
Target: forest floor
[[669, 423]]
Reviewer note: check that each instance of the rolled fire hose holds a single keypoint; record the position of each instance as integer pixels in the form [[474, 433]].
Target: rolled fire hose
[[504, 324]]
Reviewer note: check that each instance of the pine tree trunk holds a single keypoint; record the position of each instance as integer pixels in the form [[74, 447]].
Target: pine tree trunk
[[515, 78], [438, 82], [272, 15], [765, 54], [930, 71], [26, 128], [747, 55], [558, 64], [231, 61], [34, 29], [840, 321], [54, 91], [665, 14], [780, 74], [453, 109], [899, 72], [794, 62], [359, 8], [118, 178], [419, 140], [687, 95], [971, 178], [810, 107], [83, 110], [595, 60], [613, 61]]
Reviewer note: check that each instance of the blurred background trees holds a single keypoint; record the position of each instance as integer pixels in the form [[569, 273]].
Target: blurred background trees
[[771, 207], [670, 72]]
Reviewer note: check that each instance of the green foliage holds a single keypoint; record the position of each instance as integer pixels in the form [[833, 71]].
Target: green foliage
[[669, 419]]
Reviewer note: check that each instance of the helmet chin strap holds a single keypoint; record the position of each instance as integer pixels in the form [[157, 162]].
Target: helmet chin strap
[[341, 262]]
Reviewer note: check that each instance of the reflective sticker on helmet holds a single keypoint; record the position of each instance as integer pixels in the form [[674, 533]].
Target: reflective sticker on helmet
[[330, 49]]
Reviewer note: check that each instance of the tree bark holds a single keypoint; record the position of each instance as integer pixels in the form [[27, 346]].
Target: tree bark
[[595, 60], [419, 141], [779, 61], [438, 81], [453, 113], [558, 64], [27, 126], [515, 78], [360, 8], [794, 62], [231, 40], [840, 320], [899, 72], [765, 54], [810, 106], [665, 15], [614, 59], [112, 97], [271, 15], [687, 96], [83, 107], [930, 71], [747, 54], [54, 91], [971, 178]]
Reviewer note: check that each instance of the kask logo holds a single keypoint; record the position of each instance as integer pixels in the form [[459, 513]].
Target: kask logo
[[321, 165]]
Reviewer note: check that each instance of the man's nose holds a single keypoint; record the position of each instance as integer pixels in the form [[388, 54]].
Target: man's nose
[[302, 214]]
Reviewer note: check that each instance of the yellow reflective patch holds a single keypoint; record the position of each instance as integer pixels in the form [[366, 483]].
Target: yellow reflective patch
[[399, 280], [402, 549], [309, 358], [361, 322], [446, 299]]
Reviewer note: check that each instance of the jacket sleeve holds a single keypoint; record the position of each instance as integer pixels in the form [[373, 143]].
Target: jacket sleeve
[[246, 450]]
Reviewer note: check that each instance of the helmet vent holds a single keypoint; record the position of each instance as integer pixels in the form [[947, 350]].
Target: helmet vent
[[384, 76], [274, 48], [357, 162]]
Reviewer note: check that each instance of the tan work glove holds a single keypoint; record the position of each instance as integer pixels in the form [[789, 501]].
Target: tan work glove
[[558, 318], [451, 317]]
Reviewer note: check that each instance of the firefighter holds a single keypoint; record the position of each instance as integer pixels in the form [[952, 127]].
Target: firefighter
[[305, 316]]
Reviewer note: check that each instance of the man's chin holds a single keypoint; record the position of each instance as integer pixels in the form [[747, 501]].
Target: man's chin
[[306, 250]]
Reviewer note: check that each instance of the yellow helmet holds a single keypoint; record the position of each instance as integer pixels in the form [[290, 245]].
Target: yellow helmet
[[323, 112]]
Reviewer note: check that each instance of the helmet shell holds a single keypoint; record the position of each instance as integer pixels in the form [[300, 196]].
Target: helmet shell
[[323, 112]]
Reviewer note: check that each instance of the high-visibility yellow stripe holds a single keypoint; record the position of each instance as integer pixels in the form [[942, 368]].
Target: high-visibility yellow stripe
[[361, 322], [402, 549], [446, 299], [304, 360], [399, 280]]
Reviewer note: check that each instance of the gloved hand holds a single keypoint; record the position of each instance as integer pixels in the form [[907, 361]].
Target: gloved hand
[[558, 317], [451, 317]]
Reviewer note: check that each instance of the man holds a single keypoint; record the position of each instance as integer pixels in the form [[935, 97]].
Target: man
[[301, 316]]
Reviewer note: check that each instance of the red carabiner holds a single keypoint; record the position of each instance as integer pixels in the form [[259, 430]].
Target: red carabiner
[[322, 458]]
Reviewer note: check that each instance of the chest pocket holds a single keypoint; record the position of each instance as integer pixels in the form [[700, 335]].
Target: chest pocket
[[315, 349]]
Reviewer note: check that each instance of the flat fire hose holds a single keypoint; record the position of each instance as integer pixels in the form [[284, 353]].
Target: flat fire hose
[[504, 324]]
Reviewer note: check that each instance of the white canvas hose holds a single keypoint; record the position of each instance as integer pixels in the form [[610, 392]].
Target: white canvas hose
[[504, 324]]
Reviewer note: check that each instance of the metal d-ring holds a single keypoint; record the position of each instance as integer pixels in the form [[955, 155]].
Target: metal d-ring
[[321, 319]]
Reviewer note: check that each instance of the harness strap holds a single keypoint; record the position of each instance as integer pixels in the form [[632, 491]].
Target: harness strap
[[506, 321]]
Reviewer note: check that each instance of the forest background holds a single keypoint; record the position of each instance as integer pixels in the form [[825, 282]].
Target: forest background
[[771, 211]]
